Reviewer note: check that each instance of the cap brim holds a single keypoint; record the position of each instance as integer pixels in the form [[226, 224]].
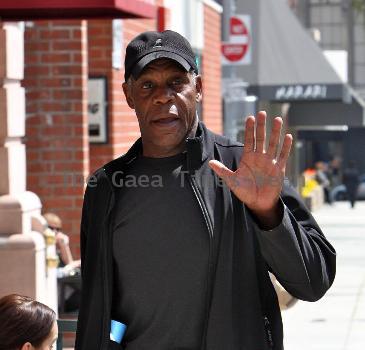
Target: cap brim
[[145, 60]]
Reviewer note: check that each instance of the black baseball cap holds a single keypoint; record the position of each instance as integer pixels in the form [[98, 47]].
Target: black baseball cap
[[150, 46]]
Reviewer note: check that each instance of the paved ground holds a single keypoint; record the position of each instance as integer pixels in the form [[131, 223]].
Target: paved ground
[[337, 321]]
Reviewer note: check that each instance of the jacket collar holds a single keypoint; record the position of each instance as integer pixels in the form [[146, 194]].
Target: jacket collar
[[198, 148]]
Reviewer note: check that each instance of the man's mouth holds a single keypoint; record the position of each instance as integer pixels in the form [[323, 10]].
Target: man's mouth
[[169, 121]]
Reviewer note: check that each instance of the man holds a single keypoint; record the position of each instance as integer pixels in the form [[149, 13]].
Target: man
[[182, 257], [67, 266], [351, 179]]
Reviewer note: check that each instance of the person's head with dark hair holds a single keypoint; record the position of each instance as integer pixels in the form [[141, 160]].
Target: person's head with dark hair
[[26, 324]]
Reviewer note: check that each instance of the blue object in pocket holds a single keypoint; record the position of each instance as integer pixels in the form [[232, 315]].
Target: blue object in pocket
[[117, 330]]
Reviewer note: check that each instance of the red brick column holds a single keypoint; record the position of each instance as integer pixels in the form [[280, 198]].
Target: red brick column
[[56, 126], [211, 70]]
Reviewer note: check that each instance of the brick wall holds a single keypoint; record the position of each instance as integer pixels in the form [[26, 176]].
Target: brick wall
[[56, 125], [211, 71]]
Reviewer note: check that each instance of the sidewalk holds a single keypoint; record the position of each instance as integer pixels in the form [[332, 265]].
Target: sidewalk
[[337, 321]]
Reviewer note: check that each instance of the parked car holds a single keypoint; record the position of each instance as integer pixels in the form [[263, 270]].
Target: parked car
[[338, 193]]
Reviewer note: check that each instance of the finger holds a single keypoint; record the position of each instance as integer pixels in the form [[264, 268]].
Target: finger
[[223, 172], [220, 169], [275, 137], [260, 131], [285, 150], [249, 134]]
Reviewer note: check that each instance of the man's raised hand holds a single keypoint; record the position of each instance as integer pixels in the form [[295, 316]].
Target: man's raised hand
[[258, 180]]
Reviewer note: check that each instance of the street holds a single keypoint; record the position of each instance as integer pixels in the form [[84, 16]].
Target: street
[[337, 321]]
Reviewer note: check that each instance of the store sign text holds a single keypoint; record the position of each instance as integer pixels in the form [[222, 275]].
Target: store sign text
[[301, 92]]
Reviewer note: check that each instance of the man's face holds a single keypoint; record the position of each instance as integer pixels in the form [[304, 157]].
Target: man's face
[[164, 98]]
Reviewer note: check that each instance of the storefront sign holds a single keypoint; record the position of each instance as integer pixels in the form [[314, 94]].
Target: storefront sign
[[301, 92]]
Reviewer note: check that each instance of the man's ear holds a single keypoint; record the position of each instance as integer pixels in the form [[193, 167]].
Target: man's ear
[[128, 94], [27, 346], [199, 88]]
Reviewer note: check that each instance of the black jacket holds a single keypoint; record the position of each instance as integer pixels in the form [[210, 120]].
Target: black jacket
[[242, 311]]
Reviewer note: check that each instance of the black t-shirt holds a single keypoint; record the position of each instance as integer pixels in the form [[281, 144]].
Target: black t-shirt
[[160, 251]]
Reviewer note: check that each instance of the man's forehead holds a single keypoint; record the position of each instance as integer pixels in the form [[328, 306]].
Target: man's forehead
[[163, 64]]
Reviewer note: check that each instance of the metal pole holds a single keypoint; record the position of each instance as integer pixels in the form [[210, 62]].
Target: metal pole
[[229, 8], [350, 42]]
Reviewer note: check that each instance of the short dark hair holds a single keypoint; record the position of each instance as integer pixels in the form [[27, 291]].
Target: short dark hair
[[23, 319]]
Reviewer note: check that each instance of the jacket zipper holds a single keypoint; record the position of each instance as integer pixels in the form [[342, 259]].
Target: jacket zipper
[[269, 338], [105, 244], [210, 260]]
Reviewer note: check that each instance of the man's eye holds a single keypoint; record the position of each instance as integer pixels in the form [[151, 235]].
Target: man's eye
[[147, 85], [177, 81]]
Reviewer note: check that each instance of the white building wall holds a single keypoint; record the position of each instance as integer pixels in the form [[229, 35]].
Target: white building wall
[[187, 18]]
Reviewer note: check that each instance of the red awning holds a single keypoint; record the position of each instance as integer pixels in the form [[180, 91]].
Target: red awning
[[18, 10]]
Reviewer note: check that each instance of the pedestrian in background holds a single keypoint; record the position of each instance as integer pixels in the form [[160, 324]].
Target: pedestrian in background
[[26, 324], [323, 179], [334, 170], [67, 265], [62, 242], [351, 180]]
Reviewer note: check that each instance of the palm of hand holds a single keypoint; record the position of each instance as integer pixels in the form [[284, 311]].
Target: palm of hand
[[258, 180]]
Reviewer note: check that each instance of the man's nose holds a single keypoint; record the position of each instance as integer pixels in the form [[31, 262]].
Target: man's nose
[[163, 94]]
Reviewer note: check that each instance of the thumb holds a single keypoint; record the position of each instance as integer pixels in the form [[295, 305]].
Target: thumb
[[221, 170]]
